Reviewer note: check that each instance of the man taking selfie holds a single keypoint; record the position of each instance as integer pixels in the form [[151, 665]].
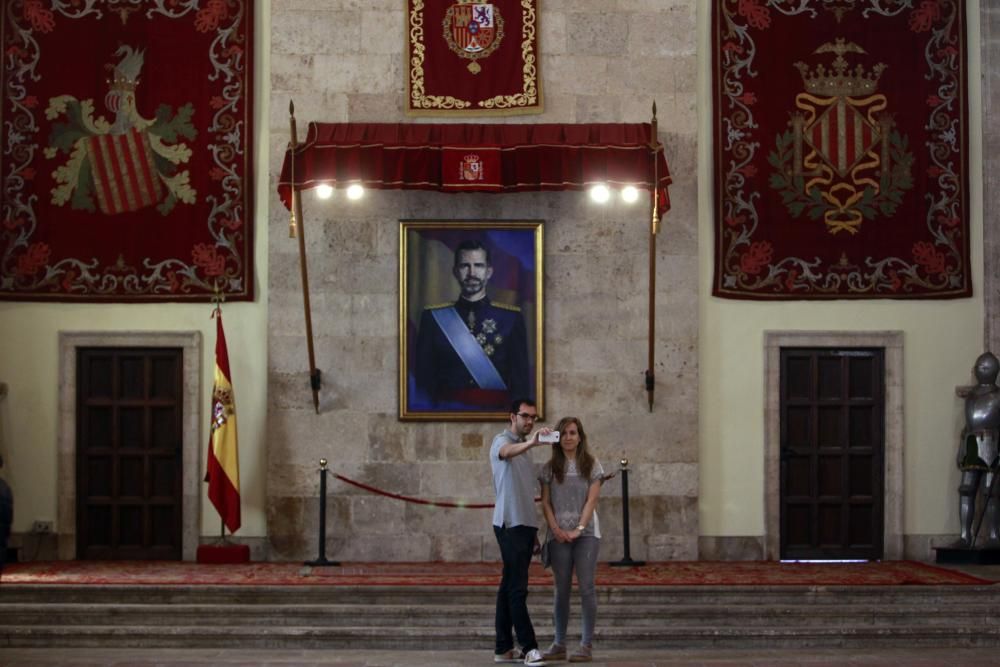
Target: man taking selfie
[[515, 525]]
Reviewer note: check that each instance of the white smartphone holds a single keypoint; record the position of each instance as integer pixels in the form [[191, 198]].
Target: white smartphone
[[550, 437]]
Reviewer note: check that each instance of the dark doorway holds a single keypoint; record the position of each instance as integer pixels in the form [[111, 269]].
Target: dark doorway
[[832, 453], [128, 453]]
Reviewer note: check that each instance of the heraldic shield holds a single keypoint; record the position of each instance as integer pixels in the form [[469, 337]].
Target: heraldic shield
[[842, 160], [472, 168], [473, 30], [125, 176]]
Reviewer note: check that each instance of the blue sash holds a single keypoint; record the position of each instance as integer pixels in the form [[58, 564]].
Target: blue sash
[[469, 351]]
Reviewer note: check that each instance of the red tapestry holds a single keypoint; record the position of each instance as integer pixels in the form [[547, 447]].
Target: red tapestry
[[472, 58], [126, 162], [840, 149]]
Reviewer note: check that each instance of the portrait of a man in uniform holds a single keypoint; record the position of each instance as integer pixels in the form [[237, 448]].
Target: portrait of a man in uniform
[[471, 304]]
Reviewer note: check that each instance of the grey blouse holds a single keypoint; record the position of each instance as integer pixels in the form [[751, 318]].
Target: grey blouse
[[569, 497]]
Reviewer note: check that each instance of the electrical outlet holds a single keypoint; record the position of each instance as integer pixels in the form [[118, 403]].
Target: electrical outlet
[[41, 527]]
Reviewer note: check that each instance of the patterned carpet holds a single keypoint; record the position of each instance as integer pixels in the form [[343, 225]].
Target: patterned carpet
[[701, 573]]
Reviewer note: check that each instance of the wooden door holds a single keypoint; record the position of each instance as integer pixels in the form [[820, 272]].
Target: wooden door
[[128, 455], [832, 453]]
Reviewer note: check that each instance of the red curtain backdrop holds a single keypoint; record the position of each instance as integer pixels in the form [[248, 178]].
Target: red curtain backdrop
[[510, 158], [126, 162], [472, 58], [840, 147]]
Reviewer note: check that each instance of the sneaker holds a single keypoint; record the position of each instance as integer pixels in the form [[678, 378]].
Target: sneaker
[[513, 655], [534, 658], [582, 654], [555, 652]]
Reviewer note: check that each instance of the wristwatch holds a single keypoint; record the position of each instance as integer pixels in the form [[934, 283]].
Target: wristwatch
[[581, 528]]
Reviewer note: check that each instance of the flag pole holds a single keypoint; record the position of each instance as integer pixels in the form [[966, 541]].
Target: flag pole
[[296, 228], [218, 299], [654, 144]]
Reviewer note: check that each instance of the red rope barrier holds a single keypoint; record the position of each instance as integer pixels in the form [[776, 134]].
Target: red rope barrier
[[410, 499], [433, 503]]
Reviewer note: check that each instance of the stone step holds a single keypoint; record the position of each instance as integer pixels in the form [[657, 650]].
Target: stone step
[[450, 638], [460, 615], [479, 595]]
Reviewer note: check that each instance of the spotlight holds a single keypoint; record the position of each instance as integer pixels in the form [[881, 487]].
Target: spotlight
[[600, 194], [630, 194], [355, 191], [324, 191]]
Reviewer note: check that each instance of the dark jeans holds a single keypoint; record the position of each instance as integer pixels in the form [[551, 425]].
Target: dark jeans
[[516, 545], [6, 516]]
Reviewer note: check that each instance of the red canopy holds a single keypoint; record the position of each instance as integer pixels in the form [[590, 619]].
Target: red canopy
[[474, 157]]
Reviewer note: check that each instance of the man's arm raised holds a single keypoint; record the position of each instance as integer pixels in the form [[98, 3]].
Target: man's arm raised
[[512, 449]]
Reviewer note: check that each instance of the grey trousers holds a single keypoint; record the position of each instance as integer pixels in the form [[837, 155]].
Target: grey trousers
[[579, 555]]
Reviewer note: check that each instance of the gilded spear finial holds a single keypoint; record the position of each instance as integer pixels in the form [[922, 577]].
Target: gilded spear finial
[[293, 227]]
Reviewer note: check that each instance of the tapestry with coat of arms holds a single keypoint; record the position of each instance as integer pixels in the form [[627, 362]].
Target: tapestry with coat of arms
[[840, 149], [126, 162], [472, 58]]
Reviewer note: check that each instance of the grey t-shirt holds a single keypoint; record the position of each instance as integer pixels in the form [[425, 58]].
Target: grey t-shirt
[[569, 497], [514, 485]]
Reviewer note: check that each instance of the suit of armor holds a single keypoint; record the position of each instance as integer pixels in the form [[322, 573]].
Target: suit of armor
[[977, 453]]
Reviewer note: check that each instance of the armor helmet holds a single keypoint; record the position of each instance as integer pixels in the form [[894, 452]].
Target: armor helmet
[[987, 367]]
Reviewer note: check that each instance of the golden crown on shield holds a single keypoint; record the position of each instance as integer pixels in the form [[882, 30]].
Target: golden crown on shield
[[840, 81]]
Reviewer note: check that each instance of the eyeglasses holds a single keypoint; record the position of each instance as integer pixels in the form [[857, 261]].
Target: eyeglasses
[[525, 415]]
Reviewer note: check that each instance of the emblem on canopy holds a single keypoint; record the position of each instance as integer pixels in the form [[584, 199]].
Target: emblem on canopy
[[473, 30], [842, 160], [471, 169]]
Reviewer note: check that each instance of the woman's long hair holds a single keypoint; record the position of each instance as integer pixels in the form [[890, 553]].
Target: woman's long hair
[[584, 459]]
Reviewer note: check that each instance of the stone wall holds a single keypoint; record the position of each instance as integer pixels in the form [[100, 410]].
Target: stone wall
[[601, 61], [989, 15]]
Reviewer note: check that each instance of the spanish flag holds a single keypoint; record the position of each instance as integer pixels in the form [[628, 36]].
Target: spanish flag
[[223, 470]]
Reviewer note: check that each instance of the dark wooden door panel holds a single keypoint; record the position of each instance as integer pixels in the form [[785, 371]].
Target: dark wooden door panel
[[832, 458], [129, 453]]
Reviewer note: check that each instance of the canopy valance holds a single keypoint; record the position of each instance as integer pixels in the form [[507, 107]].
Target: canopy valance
[[493, 158], [477, 157]]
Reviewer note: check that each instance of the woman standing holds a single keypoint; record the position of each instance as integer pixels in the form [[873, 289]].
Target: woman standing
[[571, 483]]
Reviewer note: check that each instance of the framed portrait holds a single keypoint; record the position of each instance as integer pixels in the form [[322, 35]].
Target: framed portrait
[[470, 318]]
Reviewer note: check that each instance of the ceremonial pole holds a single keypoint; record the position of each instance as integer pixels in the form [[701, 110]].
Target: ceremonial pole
[[296, 229], [654, 144]]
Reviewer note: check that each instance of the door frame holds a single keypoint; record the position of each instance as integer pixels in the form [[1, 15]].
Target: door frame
[[190, 344], [892, 503]]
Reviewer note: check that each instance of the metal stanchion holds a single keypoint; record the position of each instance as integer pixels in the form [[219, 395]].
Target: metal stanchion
[[627, 560], [321, 559]]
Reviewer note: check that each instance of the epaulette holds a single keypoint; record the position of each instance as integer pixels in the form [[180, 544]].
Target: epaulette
[[439, 305], [506, 306]]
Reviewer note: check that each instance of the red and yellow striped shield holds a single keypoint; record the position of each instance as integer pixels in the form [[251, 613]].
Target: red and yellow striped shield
[[125, 177], [842, 135]]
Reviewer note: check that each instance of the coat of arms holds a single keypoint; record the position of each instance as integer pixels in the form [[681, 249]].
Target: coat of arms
[[127, 164], [842, 160], [472, 168], [473, 30]]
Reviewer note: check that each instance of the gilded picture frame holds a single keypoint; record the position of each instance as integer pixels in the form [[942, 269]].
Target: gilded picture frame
[[471, 314]]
